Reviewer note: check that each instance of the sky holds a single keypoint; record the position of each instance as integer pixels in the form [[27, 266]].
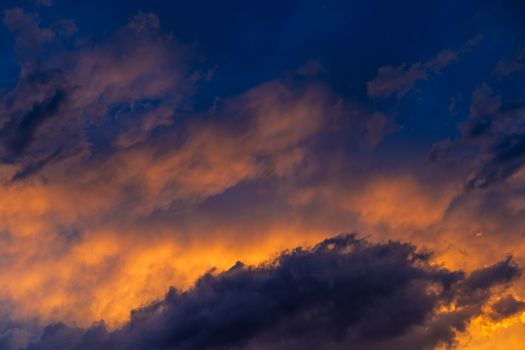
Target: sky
[[247, 175]]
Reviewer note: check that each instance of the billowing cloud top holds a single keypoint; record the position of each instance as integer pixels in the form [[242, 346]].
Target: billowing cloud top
[[342, 293]]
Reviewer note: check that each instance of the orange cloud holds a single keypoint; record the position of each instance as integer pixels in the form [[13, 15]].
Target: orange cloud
[[75, 251]]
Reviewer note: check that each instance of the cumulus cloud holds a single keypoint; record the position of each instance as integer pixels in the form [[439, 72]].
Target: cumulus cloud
[[342, 293]]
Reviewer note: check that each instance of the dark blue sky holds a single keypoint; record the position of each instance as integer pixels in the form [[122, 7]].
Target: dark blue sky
[[245, 44]]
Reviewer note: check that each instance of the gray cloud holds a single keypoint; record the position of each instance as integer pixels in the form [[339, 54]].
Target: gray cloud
[[343, 293], [506, 307], [492, 142]]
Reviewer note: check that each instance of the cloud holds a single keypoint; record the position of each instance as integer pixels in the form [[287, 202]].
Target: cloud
[[376, 127], [399, 80], [506, 307], [81, 172], [342, 293], [507, 66], [111, 183], [395, 80], [134, 81], [30, 35], [44, 2], [394, 204], [103, 102], [262, 133], [492, 143]]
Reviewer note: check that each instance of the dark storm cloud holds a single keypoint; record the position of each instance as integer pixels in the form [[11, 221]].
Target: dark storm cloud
[[492, 141], [506, 307], [481, 280], [343, 293]]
